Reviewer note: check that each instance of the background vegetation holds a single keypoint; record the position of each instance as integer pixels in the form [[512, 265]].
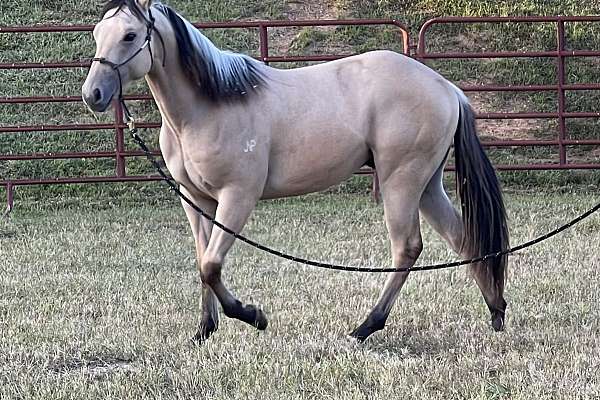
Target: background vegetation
[[340, 40]]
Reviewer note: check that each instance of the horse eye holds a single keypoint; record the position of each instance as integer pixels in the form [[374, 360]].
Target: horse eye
[[130, 37]]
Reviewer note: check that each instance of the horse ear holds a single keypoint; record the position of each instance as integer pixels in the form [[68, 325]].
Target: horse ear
[[145, 4]]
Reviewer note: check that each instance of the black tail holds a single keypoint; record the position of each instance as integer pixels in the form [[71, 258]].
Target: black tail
[[483, 213]]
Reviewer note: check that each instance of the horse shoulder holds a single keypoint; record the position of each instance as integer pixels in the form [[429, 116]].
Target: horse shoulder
[[170, 148], [172, 154]]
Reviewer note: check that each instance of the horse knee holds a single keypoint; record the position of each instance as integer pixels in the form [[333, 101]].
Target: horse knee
[[411, 251], [210, 269]]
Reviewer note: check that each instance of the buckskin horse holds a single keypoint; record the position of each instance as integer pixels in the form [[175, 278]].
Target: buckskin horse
[[235, 131]]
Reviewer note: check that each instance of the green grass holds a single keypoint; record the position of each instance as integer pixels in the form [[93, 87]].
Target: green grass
[[100, 302]]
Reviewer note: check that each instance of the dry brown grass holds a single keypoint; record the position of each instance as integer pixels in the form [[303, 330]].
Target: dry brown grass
[[101, 304]]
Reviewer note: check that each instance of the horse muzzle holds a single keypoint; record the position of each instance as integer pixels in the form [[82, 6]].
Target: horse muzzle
[[98, 96], [97, 101]]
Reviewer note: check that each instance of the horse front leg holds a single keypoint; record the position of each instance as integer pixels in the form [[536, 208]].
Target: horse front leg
[[233, 211], [201, 229]]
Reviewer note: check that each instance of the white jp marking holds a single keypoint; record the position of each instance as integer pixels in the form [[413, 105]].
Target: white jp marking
[[250, 145]]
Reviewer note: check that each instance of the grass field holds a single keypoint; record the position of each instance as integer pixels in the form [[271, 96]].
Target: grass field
[[100, 301]]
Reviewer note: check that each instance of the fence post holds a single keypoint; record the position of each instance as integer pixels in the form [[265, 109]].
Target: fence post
[[562, 124], [119, 139], [264, 44], [10, 198]]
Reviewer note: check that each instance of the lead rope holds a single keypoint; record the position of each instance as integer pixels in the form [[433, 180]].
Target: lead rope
[[173, 187]]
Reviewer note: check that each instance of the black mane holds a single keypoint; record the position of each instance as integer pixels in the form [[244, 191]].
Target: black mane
[[204, 65], [132, 5]]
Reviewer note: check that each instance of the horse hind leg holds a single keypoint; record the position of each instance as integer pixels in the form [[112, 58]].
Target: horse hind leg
[[402, 219], [439, 212]]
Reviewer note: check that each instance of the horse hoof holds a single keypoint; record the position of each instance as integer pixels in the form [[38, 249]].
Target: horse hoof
[[359, 335], [365, 330], [260, 320], [498, 322], [374, 322], [205, 329]]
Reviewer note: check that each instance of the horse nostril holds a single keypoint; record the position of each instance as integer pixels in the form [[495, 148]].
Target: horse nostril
[[97, 95]]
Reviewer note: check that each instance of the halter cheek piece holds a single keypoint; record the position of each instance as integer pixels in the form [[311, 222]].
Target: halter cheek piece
[[115, 67]]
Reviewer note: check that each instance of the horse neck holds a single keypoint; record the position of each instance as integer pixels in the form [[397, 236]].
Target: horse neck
[[178, 100]]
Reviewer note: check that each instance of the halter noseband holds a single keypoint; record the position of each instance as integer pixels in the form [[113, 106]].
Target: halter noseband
[[115, 67]]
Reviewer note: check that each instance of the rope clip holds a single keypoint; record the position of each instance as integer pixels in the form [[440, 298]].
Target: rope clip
[[131, 125]]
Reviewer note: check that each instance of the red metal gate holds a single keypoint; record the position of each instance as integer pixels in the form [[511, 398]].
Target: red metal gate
[[560, 54], [562, 141], [120, 154]]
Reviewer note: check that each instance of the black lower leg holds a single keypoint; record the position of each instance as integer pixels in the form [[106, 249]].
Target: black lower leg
[[498, 312], [247, 313], [374, 322]]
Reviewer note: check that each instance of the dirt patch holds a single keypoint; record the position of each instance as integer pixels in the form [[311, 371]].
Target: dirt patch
[[310, 9], [510, 129], [94, 365], [7, 235], [514, 129], [283, 41]]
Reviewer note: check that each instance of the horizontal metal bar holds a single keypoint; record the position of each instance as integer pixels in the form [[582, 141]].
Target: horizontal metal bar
[[574, 18], [509, 54], [499, 54], [88, 179], [534, 142], [216, 25], [330, 22], [581, 142], [294, 23], [305, 58], [519, 143], [61, 99], [49, 65], [537, 115], [516, 115], [46, 28], [73, 127], [547, 167], [528, 88], [39, 99], [79, 155], [365, 171], [539, 167]]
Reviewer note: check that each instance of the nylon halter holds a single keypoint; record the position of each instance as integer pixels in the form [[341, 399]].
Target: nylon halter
[[115, 67]]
